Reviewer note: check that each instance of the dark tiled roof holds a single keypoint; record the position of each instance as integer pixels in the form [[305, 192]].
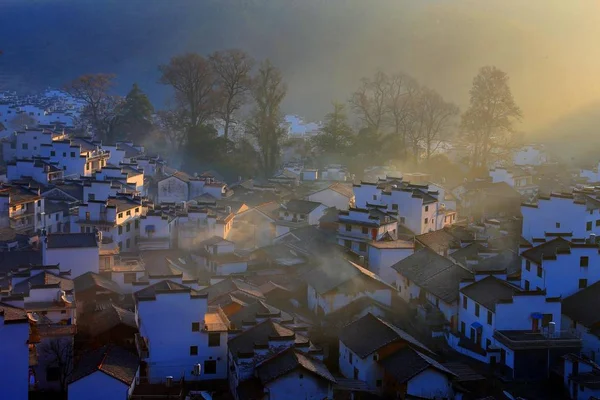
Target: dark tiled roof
[[92, 280], [10, 260], [407, 363], [489, 291], [300, 206], [289, 360], [546, 249], [335, 272], [13, 314], [150, 292], [443, 239], [43, 278], [71, 240], [74, 190], [259, 334], [98, 322], [122, 203], [230, 285], [112, 360], [369, 333], [580, 306], [249, 314]]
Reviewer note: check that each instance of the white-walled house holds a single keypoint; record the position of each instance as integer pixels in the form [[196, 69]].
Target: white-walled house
[[179, 331], [109, 372], [297, 213], [37, 169], [517, 178], [382, 255], [336, 195], [357, 227], [180, 187], [501, 324], [338, 282], [391, 362], [14, 336], [75, 252], [157, 231], [272, 356], [560, 267], [561, 213], [580, 377]]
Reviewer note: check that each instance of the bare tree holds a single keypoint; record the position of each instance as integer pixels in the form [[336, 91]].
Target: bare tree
[[232, 68], [58, 352], [369, 100], [438, 117], [491, 114], [170, 124], [264, 125], [401, 93], [92, 90], [193, 80]]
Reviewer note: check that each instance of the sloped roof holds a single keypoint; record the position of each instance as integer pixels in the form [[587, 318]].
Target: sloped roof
[[545, 249], [301, 206], [489, 291], [259, 334], [114, 361], [230, 285], [91, 279], [580, 306], [13, 314], [97, 322], [335, 272], [289, 360], [150, 292], [369, 333], [407, 363], [71, 240], [41, 279], [249, 314]]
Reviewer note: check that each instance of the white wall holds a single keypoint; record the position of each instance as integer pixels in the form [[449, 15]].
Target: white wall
[[291, 386], [172, 190], [369, 370], [78, 260], [14, 360], [330, 198], [380, 261], [430, 384], [98, 386]]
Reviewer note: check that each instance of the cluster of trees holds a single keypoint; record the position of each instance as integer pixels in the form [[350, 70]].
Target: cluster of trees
[[400, 119], [208, 92]]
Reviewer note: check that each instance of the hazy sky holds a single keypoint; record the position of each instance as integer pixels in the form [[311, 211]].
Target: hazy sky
[[548, 47]]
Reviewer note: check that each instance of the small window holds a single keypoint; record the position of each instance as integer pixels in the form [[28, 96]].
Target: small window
[[52, 153], [348, 227], [395, 207], [120, 230], [426, 220], [488, 343], [588, 226], [63, 311], [402, 220], [129, 277], [25, 146], [300, 376], [598, 222], [528, 265], [128, 243], [526, 285], [558, 225], [64, 153], [214, 339], [193, 350], [137, 223], [582, 283], [365, 230], [56, 217], [465, 302], [120, 215], [120, 246], [73, 154], [546, 319], [87, 215], [210, 367], [362, 247], [347, 244], [584, 261], [426, 208], [374, 197], [195, 326], [462, 327], [137, 209], [489, 317], [128, 227], [350, 357], [477, 310], [539, 271], [128, 212]]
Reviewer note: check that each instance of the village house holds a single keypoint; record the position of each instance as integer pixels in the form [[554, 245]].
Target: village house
[[37, 169], [197, 223], [124, 173], [21, 207], [179, 187], [391, 362], [76, 156], [336, 195], [514, 329], [518, 179], [118, 218], [218, 256], [188, 340], [577, 315], [108, 372], [561, 213], [92, 290], [338, 282], [255, 227], [430, 282], [335, 172], [75, 252], [298, 213], [358, 227], [271, 356], [559, 266], [382, 255], [14, 336], [157, 230]]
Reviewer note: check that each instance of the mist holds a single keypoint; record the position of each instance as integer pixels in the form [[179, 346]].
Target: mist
[[322, 46]]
